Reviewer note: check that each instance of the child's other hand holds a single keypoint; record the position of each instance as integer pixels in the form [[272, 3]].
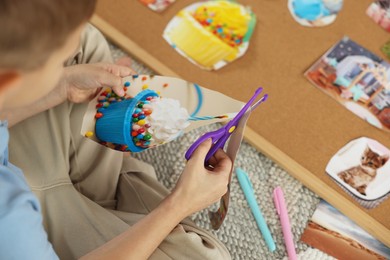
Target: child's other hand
[[82, 82], [199, 187]]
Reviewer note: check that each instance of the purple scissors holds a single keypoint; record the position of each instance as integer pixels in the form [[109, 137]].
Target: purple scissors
[[220, 136]]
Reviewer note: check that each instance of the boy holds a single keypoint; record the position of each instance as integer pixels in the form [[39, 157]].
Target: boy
[[132, 221]]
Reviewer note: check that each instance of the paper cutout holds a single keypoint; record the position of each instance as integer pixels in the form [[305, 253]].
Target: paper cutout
[[200, 102], [314, 13], [333, 233], [379, 11], [210, 41], [356, 78], [362, 168], [157, 5]]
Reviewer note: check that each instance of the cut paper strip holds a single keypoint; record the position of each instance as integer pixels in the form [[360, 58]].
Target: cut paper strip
[[157, 5], [204, 107], [357, 79], [211, 34], [314, 13], [362, 168], [379, 12]]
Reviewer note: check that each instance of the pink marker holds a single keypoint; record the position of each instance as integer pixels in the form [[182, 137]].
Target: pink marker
[[281, 208]]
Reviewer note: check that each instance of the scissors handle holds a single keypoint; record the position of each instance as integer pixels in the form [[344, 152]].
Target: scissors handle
[[214, 135], [219, 144]]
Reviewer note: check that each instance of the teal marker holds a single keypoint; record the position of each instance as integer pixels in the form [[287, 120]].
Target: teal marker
[[246, 186]]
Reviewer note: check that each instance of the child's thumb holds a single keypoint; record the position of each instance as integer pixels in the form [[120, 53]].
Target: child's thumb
[[202, 150]]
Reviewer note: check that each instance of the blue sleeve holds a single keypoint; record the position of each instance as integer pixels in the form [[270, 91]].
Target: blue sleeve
[[22, 235]]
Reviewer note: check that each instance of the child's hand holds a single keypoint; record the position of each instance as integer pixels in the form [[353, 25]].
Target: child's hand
[[199, 187], [82, 82]]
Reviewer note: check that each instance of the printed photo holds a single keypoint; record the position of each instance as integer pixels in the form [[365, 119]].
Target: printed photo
[[335, 234], [362, 168], [314, 13], [356, 78], [379, 11], [211, 34]]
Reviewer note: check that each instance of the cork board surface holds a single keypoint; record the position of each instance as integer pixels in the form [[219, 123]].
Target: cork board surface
[[299, 119]]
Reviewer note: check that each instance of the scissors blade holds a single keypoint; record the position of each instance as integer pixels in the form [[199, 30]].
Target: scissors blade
[[235, 120], [258, 102]]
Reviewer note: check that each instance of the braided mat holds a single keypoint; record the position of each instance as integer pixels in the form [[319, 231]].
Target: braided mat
[[239, 231]]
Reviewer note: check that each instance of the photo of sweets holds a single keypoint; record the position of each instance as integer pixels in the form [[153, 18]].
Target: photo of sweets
[[335, 234], [356, 78], [315, 13], [379, 11]]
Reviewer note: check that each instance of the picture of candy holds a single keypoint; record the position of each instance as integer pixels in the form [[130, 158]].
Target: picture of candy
[[140, 122], [153, 111], [211, 34]]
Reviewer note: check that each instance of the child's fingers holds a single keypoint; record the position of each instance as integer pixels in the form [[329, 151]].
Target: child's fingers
[[107, 79], [212, 161], [223, 162], [123, 71], [201, 151], [124, 61], [118, 90], [117, 70], [112, 77]]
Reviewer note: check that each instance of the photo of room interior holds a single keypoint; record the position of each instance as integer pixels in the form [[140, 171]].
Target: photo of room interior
[[356, 78]]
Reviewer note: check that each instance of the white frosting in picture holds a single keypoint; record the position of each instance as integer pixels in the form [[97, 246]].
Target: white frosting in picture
[[167, 120]]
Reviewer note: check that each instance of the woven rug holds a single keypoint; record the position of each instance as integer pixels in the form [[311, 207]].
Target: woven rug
[[239, 231]]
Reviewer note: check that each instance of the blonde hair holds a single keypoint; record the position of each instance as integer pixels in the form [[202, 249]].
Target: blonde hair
[[32, 29]]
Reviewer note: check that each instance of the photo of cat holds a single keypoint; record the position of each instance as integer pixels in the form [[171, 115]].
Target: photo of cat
[[360, 176], [362, 169]]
